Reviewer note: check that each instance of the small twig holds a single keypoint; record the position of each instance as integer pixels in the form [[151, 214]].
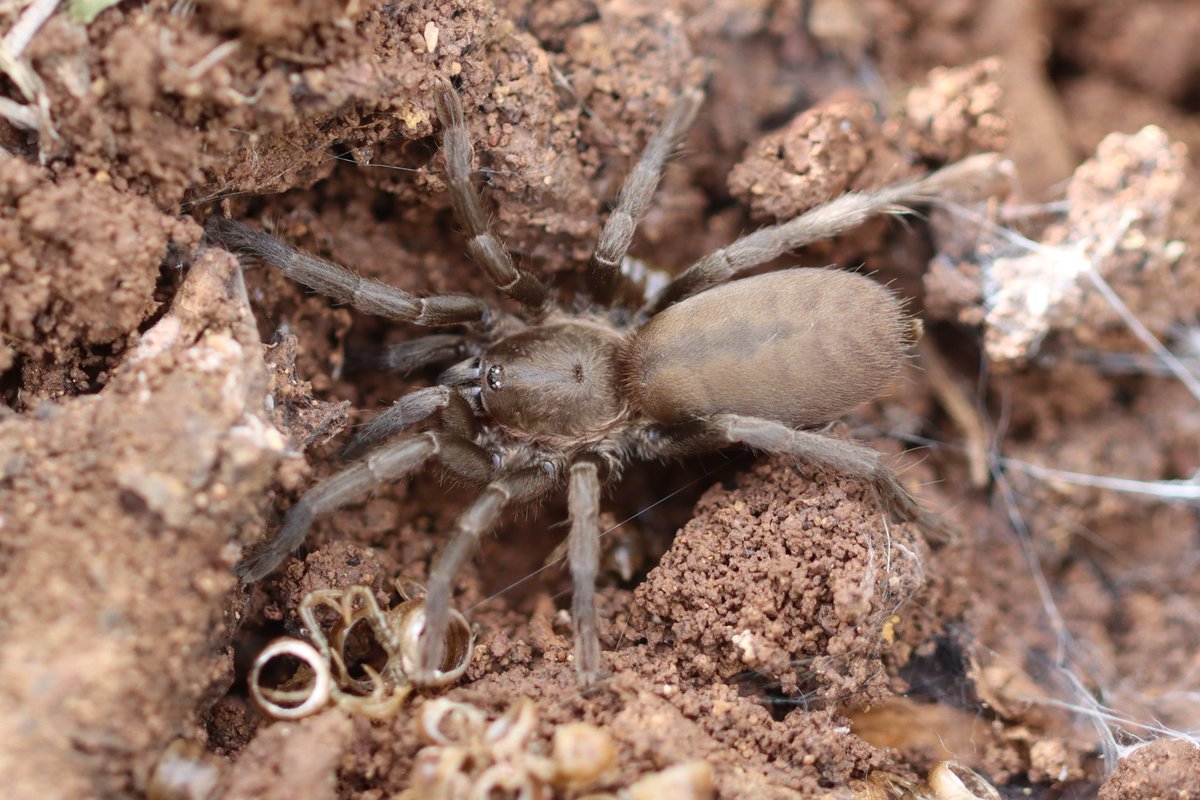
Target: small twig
[[961, 409], [1187, 490], [22, 33], [36, 115], [19, 115], [214, 57]]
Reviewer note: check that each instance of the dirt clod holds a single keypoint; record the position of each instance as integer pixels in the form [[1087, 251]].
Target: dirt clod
[[1166, 769], [1121, 225], [789, 583]]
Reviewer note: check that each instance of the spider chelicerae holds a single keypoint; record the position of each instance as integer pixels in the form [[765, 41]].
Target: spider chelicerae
[[558, 396]]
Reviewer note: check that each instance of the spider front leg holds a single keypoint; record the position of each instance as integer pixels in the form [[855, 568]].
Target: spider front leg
[[482, 244], [389, 463], [519, 486], [410, 409], [847, 458], [365, 294], [407, 357]]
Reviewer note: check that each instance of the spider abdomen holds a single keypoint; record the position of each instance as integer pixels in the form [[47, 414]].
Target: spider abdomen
[[801, 346]]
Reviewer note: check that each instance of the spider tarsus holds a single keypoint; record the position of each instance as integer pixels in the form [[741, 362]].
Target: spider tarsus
[[589, 679], [255, 566], [935, 529], [901, 506], [432, 641], [242, 240], [483, 246], [267, 558]]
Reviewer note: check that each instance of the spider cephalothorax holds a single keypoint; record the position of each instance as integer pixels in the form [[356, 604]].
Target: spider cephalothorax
[[558, 397]]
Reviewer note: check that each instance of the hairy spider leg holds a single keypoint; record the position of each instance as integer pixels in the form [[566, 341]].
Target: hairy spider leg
[[482, 244], [823, 222], [518, 486], [822, 451], [414, 407], [605, 276], [409, 356], [388, 463], [365, 294]]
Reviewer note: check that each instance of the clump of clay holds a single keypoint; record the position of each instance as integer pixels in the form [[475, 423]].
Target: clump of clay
[[819, 155], [1166, 768], [956, 112], [78, 264], [1122, 224], [795, 578], [843, 144]]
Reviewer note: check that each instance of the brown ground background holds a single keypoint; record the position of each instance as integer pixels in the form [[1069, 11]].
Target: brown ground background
[[147, 435]]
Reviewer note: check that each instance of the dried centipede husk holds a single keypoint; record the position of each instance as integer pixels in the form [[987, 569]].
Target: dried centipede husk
[[313, 679], [407, 620]]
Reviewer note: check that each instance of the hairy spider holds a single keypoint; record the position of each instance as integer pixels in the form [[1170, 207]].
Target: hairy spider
[[560, 396]]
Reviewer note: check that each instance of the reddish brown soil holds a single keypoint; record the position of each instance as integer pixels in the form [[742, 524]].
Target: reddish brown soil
[[1160, 769], [158, 412]]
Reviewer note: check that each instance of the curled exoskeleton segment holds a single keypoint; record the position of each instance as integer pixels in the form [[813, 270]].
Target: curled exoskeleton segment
[[949, 780], [379, 692], [495, 758], [407, 620], [448, 723], [339, 672], [506, 779], [352, 605], [508, 734], [503, 758], [308, 689], [362, 633], [439, 773]]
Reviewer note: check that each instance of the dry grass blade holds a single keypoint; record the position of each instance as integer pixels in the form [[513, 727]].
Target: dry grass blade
[[34, 116]]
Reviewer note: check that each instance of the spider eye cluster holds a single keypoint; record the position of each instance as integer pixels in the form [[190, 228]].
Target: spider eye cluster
[[553, 380]]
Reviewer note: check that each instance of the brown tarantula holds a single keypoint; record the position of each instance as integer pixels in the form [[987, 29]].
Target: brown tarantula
[[561, 396]]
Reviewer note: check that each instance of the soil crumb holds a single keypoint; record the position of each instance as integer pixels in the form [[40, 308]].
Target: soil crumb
[[794, 585]]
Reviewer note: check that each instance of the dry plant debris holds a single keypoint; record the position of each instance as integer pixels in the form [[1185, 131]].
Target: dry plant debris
[[326, 672], [948, 780], [467, 756]]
